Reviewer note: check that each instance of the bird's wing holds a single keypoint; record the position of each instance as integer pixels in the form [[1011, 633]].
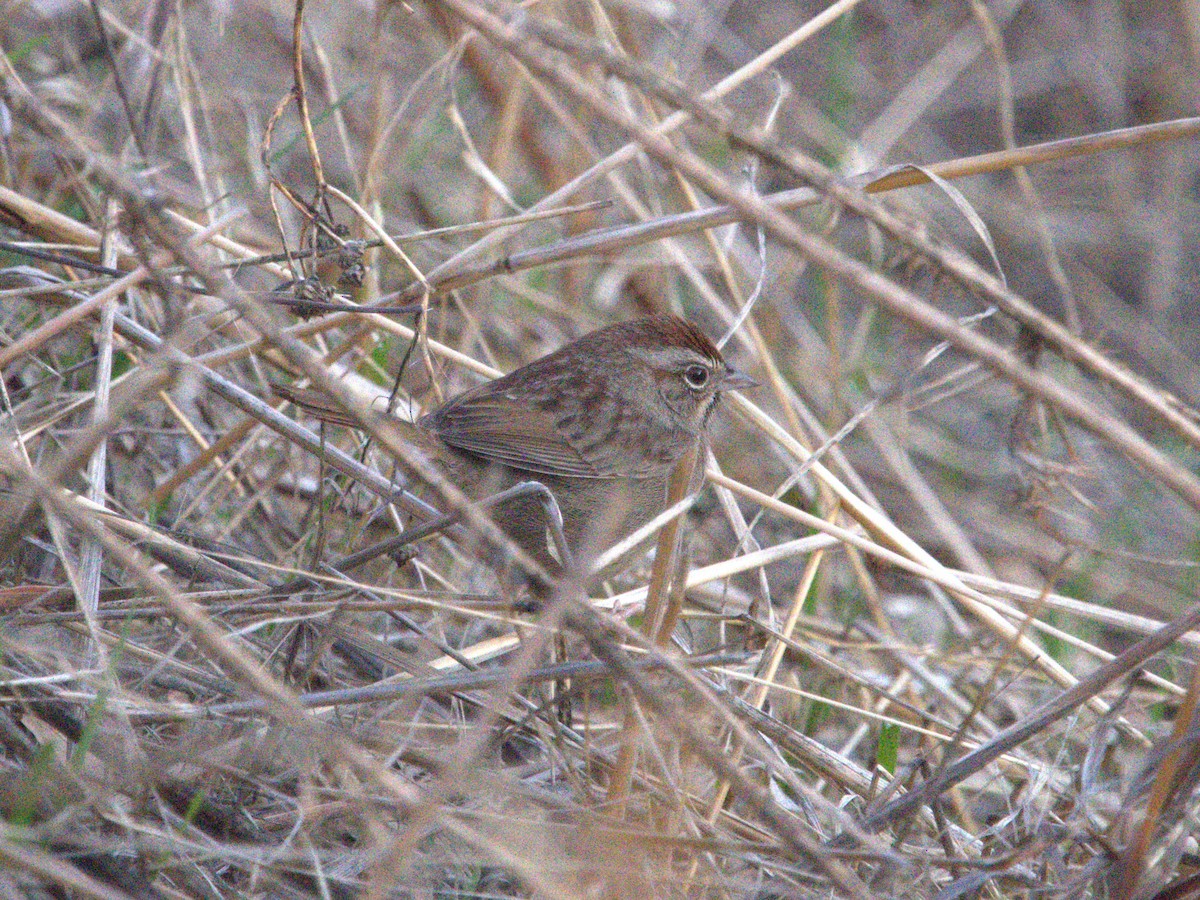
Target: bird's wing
[[519, 429], [516, 435]]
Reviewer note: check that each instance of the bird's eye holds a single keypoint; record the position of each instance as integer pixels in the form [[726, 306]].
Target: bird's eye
[[696, 376]]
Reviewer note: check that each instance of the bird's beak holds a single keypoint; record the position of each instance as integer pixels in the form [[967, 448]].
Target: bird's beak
[[737, 381]]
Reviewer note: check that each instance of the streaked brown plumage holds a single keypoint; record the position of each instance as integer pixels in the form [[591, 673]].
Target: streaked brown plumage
[[600, 422]]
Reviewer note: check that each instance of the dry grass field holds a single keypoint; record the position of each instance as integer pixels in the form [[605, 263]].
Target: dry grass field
[[929, 629]]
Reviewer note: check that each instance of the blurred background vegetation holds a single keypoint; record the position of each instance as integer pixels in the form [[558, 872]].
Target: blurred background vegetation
[[134, 119]]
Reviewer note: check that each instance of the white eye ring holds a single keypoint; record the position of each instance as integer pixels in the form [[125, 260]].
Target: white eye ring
[[696, 376]]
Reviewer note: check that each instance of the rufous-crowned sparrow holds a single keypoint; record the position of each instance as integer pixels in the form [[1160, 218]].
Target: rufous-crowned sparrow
[[599, 422]]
